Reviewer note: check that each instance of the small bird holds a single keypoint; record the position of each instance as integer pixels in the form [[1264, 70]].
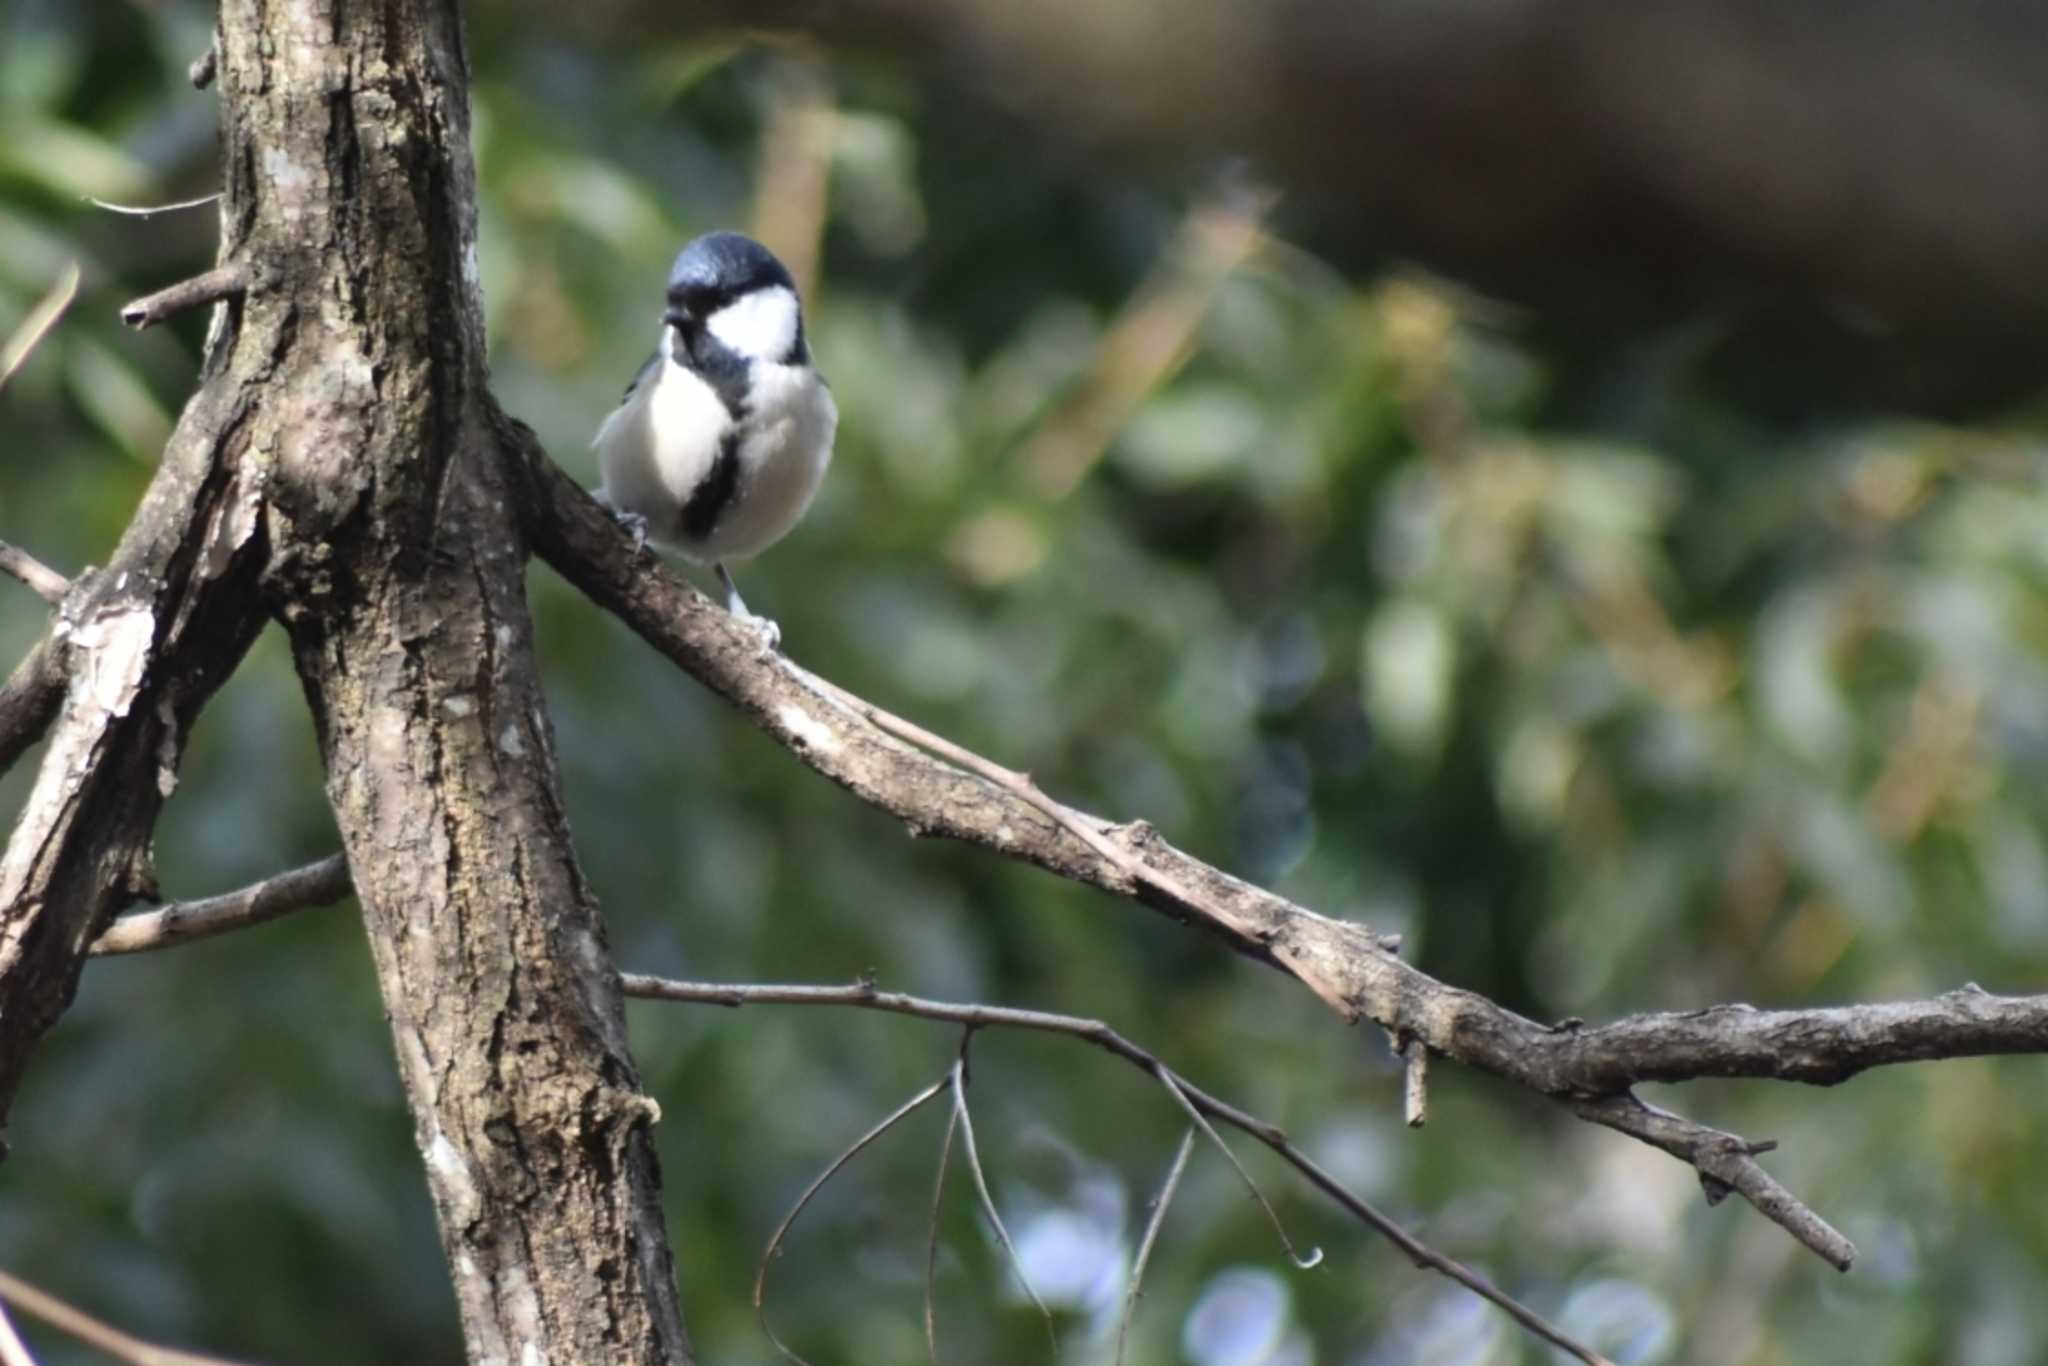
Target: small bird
[[724, 435]]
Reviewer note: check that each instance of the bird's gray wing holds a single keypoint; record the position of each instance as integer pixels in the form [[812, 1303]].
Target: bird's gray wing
[[645, 376], [653, 359]]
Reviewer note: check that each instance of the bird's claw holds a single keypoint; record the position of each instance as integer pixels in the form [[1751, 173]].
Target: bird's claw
[[768, 631], [637, 525], [634, 523]]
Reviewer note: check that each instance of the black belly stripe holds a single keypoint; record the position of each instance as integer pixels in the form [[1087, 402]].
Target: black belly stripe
[[714, 493]]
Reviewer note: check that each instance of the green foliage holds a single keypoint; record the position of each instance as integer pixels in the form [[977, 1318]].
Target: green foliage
[[1661, 710]]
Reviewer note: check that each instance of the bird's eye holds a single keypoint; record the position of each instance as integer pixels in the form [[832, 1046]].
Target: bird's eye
[[701, 300]]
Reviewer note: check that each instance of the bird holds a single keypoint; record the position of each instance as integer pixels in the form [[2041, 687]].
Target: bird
[[723, 438]]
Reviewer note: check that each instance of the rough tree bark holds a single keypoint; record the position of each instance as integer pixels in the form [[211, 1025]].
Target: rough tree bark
[[339, 469]]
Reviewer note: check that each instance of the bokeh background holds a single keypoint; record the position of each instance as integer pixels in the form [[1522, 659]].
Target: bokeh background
[[1540, 632]]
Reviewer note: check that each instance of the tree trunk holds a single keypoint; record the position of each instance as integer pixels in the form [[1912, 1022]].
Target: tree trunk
[[397, 566], [341, 467]]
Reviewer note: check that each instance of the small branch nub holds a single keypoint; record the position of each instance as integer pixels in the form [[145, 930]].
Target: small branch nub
[[222, 282]]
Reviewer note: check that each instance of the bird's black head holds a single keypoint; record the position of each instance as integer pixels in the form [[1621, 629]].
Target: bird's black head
[[716, 269]]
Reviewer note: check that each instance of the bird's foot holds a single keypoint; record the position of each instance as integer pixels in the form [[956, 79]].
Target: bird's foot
[[636, 524], [768, 631], [633, 522]]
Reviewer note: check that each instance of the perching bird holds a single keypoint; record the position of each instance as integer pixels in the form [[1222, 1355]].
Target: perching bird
[[724, 435]]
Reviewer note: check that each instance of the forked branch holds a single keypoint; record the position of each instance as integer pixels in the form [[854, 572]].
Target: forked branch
[[1200, 1105]]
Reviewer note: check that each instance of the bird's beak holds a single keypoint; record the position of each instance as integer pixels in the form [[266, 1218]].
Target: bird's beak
[[676, 316]]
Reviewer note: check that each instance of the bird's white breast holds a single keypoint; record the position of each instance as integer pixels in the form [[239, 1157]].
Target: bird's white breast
[[783, 457], [662, 444], [659, 445]]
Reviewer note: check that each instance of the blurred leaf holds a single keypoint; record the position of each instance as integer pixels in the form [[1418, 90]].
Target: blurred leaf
[[66, 160], [116, 398]]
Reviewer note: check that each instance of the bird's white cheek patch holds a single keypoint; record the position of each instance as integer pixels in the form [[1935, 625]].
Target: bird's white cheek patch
[[760, 326]]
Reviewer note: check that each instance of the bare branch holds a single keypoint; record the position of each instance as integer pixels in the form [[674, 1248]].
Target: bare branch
[[33, 693], [29, 701], [1820, 1047], [1314, 1257], [45, 582], [222, 282], [151, 210], [1725, 1163], [1151, 1236], [866, 996], [67, 1318], [953, 799], [931, 1247], [1083, 828], [316, 884], [774, 1248]]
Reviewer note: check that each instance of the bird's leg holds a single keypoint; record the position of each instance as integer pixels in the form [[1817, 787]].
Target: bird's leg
[[733, 604], [770, 632]]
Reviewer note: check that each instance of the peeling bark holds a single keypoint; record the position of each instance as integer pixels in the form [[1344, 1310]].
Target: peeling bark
[[137, 650]]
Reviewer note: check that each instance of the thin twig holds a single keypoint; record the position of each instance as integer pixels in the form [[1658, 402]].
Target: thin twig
[[1172, 1085], [45, 582], [222, 282], [38, 323], [818, 1184], [1414, 1082], [1725, 1162], [66, 1318], [1151, 1236], [317, 884], [151, 210], [988, 1203], [864, 995], [931, 1250]]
